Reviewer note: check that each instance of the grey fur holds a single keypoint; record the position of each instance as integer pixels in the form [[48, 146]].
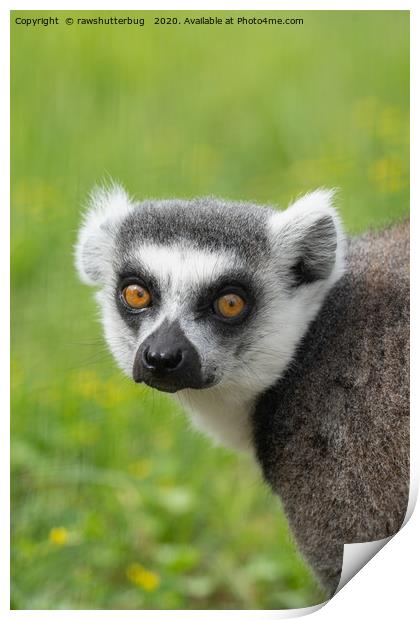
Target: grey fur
[[332, 435], [208, 222]]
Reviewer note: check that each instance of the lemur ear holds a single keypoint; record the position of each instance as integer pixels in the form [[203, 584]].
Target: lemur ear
[[308, 239], [106, 209]]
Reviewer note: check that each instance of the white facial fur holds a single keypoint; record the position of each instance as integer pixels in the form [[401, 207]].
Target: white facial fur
[[223, 410]]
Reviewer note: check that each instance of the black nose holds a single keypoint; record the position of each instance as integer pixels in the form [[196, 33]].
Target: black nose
[[162, 361], [168, 361]]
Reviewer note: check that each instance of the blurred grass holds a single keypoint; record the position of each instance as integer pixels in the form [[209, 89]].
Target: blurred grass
[[116, 503]]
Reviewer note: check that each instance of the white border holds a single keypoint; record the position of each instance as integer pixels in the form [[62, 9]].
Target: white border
[[218, 5], [387, 586]]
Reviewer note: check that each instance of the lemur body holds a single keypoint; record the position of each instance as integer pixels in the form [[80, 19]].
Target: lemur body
[[213, 300], [332, 434]]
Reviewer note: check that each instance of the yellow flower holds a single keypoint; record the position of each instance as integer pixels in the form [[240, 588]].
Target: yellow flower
[[59, 536], [146, 579], [141, 468]]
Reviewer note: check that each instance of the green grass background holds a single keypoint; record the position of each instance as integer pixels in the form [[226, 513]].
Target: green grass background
[[116, 503]]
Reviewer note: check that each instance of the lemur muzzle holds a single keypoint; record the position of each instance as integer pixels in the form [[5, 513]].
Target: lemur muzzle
[[168, 361]]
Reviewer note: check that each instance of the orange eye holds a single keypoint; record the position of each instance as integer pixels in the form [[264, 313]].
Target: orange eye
[[230, 305], [136, 296]]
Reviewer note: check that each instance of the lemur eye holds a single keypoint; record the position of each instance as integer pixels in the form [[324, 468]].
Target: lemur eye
[[229, 306], [136, 296]]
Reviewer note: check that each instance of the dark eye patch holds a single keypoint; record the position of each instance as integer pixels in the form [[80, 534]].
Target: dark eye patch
[[237, 283], [131, 273]]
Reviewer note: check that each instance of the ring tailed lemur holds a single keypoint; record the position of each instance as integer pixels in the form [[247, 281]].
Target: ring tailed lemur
[[251, 318]]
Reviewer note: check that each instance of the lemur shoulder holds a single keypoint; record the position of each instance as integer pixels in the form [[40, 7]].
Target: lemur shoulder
[[275, 343]]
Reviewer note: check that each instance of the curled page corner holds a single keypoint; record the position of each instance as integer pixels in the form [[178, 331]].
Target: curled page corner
[[302, 611], [355, 556]]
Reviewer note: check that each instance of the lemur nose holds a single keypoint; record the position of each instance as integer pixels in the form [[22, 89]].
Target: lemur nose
[[167, 360], [162, 362]]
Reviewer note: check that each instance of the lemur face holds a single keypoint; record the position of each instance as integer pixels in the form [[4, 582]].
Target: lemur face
[[204, 293], [188, 309]]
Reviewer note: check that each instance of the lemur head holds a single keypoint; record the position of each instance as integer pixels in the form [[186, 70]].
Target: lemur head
[[201, 293]]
